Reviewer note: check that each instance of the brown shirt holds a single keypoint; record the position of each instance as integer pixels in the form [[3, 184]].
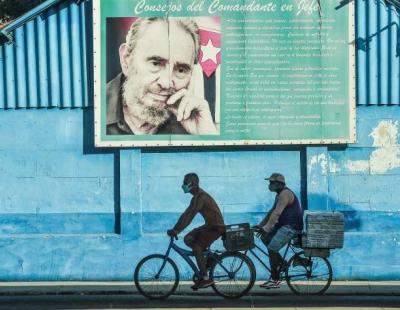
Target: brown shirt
[[204, 204]]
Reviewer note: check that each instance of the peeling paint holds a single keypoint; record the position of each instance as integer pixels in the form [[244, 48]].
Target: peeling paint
[[386, 156], [385, 159], [385, 134], [320, 160], [333, 166], [357, 165]]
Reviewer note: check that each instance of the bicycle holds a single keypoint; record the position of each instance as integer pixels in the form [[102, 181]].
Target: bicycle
[[304, 273], [156, 276]]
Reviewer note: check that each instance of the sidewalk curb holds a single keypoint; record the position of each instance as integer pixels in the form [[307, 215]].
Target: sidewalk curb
[[391, 288]]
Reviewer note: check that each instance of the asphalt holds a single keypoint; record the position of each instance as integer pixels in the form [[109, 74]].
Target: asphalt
[[342, 295], [370, 288], [123, 302]]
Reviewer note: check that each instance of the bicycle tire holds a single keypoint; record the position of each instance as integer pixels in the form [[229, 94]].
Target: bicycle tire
[[308, 275], [144, 285], [234, 285]]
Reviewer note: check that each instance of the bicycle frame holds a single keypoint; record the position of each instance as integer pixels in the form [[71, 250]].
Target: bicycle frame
[[254, 254], [185, 254]]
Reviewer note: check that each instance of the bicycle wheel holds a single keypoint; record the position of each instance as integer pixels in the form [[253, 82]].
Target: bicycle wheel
[[233, 274], [308, 275], [156, 276]]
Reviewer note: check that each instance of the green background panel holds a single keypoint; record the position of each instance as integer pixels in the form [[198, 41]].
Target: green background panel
[[284, 74]]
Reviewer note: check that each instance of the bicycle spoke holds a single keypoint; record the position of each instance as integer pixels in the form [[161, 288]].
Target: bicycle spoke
[[233, 276], [154, 282], [150, 271], [308, 280]]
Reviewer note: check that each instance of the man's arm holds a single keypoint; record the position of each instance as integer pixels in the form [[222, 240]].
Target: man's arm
[[284, 198], [186, 218], [265, 219]]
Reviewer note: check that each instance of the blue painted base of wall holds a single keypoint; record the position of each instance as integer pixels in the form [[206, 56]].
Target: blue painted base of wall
[[68, 257], [110, 257]]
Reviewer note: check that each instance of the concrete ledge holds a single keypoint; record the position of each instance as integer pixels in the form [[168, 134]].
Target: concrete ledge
[[118, 287]]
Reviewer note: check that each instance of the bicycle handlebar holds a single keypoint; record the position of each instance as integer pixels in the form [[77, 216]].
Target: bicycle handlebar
[[255, 228], [172, 238]]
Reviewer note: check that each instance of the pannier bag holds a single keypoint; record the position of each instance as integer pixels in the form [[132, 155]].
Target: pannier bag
[[323, 230], [238, 237]]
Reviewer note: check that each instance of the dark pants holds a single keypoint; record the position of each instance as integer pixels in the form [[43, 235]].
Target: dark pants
[[275, 260]]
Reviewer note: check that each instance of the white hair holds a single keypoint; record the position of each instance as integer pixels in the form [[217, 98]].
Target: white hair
[[187, 24]]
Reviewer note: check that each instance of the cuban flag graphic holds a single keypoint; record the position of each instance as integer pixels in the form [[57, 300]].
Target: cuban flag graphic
[[208, 82], [210, 51]]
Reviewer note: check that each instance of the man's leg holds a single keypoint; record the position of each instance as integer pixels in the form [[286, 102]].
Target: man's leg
[[275, 260], [191, 241], [195, 241], [200, 260], [205, 238], [279, 239]]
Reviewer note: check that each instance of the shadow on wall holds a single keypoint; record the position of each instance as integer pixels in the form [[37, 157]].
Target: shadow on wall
[[88, 114], [88, 122], [352, 217], [363, 44], [89, 149]]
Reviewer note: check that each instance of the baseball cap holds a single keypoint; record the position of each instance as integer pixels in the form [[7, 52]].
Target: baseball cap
[[276, 177]]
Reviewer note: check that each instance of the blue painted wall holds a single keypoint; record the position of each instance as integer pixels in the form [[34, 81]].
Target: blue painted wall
[[47, 184], [69, 211], [58, 203], [361, 181]]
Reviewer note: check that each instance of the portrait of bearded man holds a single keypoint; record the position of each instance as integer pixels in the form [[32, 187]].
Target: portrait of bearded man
[[152, 94]]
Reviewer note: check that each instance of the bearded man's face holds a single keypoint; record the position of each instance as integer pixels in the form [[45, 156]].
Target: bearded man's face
[[160, 65]]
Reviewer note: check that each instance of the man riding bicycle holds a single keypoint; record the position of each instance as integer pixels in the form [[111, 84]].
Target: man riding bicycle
[[201, 237], [281, 224]]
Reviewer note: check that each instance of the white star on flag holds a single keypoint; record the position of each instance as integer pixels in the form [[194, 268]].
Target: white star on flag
[[209, 52]]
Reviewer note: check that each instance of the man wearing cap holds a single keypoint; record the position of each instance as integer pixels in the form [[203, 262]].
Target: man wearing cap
[[282, 223]]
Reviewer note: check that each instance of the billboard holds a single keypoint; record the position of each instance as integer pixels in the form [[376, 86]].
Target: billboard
[[223, 72]]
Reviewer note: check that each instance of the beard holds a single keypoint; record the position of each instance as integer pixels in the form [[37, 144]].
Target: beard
[[146, 112]]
